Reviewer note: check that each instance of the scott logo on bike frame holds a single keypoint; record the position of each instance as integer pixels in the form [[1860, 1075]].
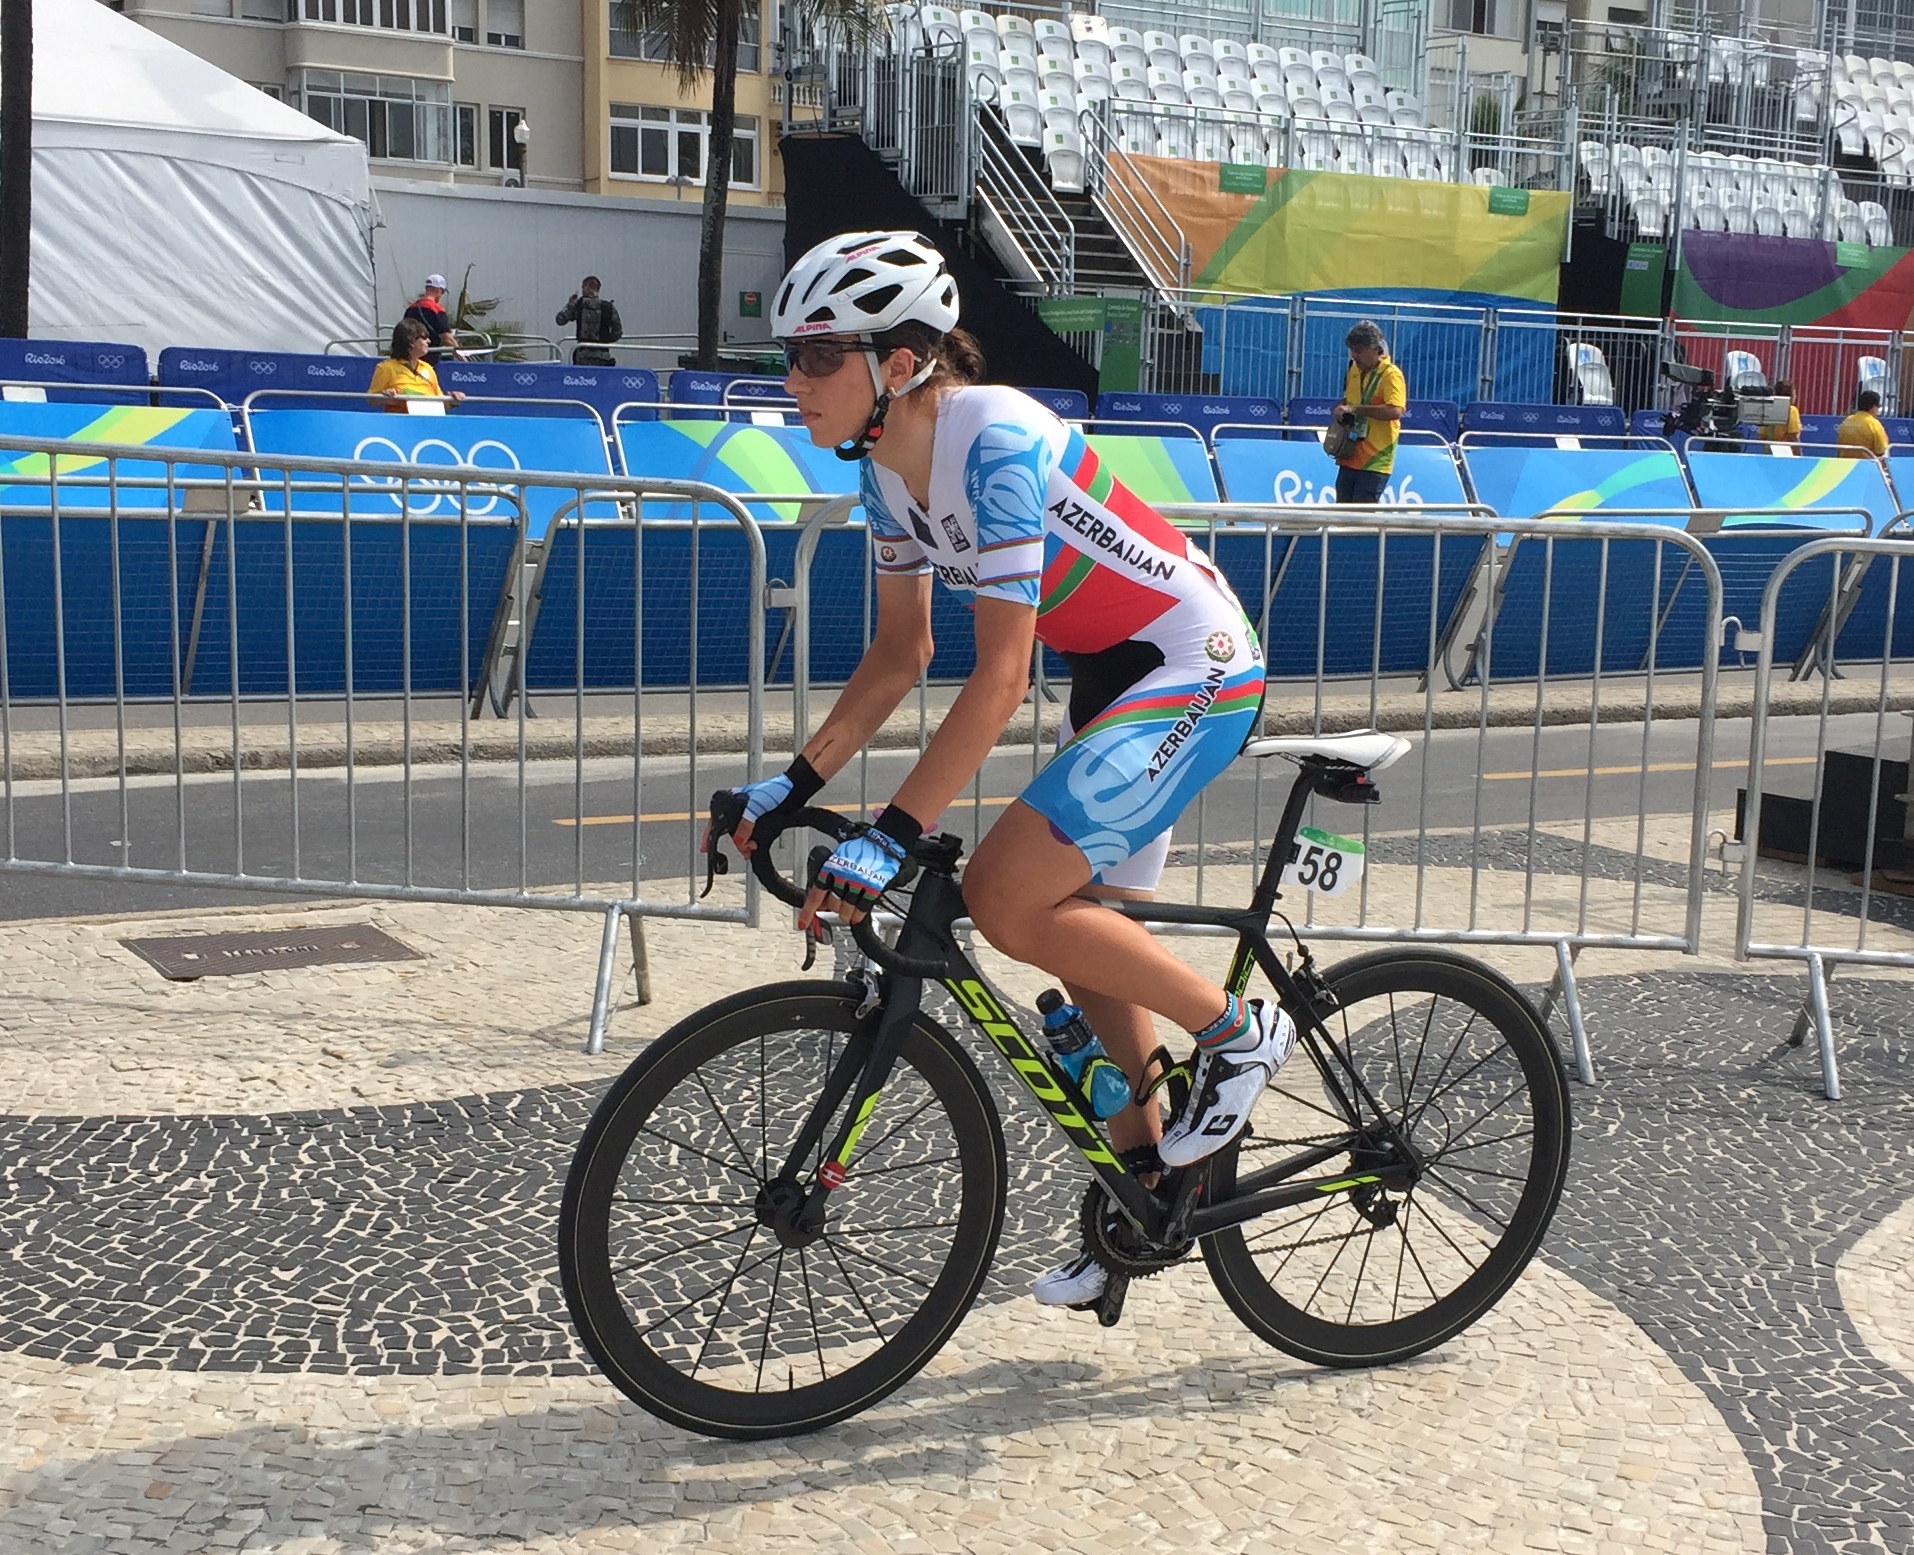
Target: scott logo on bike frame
[[1036, 1074]]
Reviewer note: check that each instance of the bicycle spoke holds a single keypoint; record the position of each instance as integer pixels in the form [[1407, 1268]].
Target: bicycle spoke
[[902, 1274], [908, 1166], [1355, 1286], [856, 1294], [704, 1155], [770, 1311], [703, 1241], [1454, 1247], [744, 1155], [919, 1225], [904, 1122], [1487, 1214]]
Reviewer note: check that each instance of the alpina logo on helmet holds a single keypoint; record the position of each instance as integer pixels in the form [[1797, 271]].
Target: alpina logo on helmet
[[821, 327]]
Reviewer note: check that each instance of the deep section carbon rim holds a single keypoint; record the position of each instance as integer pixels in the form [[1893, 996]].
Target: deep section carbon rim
[[1459, 1064], [692, 1304]]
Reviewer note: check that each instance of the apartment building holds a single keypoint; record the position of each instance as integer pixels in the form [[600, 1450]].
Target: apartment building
[[545, 94]]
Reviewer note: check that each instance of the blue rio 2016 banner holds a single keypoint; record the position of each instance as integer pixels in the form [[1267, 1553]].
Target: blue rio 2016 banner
[[1295, 471], [140, 483], [548, 445], [1521, 482], [734, 456], [1802, 486]]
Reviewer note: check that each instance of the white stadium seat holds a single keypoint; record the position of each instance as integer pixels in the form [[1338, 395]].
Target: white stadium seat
[[1872, 373], [983, 73], [1130, 83], [1875, 223], [1589, 368], [1163, 52], [1231, 57], [980, 28], [1022, 116], [1059, 111], [1264, 59], [1768, 221], [1166, 86], [1092, 37], [1237, 93], [1199, 86], [1126, 48], [942, 29], [1017, 33], [1174, 139], [1053, 38], [1487, 177], [1405, 109], [1063, 156], [1197, 53], [1651, 217], [1744, 372]]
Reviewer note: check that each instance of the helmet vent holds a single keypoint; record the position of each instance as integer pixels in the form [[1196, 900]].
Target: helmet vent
[[850, 278], [879, 300]]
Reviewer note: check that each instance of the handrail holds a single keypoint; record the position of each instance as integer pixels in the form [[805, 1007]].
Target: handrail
[[1164, 256], [1025, 206]]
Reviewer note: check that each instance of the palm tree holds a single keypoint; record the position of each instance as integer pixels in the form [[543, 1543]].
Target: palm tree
[[694, 36], [16, 164]]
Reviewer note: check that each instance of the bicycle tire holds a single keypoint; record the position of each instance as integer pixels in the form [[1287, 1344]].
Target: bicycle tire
[[693, 1088], [1499, 1202]]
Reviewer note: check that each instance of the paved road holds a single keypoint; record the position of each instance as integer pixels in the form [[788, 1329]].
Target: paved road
[[378, 827]]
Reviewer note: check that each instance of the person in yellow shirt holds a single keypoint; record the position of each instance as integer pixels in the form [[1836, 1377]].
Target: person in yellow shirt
[[1374, 396], [405, 373], [1862, 433], [1791, 433]]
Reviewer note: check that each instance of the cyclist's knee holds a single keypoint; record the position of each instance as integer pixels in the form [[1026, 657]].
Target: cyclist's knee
[[1003, 914]]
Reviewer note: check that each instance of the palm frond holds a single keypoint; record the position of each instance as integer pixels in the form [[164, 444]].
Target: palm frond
[[685, 28]]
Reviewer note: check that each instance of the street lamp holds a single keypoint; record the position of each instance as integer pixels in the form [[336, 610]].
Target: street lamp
[[522, 139]]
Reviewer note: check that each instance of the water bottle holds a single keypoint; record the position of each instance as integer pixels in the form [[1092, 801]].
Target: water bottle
[[1097, 1077]]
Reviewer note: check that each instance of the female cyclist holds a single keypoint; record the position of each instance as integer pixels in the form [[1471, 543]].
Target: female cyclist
[[991, 492]]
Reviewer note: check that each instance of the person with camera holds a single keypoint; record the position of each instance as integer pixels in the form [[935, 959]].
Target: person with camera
[[1790, 433], [1862, 434], [1363, 428]]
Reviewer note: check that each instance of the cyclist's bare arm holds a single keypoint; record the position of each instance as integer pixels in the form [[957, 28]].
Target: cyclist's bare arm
[[1006, 631], [899, 652]]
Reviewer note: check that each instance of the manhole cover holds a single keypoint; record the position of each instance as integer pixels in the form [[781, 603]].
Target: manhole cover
[[186, 957]]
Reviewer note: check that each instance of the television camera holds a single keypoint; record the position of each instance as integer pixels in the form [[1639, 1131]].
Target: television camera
[[1716, 415]]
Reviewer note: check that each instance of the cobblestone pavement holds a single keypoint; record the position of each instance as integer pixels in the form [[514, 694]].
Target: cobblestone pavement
[[279, 1276]]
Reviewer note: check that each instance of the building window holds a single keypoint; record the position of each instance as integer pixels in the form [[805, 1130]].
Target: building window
[[276, 92], [263, 11], [394, 15], [664, 144], [499, 144], [463, 17], [627, 44], [465, 134], [505, 23], [399, 120]]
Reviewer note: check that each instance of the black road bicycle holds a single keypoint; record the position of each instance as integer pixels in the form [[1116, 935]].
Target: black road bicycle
[[789, 1201]]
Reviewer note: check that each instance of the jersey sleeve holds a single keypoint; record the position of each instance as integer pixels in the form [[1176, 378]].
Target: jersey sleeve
[[1394, 388], [1006, 480], [896, 550]]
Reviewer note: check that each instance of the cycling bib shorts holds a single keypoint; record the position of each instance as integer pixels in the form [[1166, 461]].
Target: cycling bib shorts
[[1168, 674]]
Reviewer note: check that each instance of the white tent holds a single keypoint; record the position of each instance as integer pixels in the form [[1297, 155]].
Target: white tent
[[174, 205]]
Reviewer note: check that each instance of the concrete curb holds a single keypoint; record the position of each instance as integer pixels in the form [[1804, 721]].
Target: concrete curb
[[95, 753]]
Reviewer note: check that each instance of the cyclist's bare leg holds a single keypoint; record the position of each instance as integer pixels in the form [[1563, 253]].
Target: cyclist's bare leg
[[1023, 890], [1129, 1037]]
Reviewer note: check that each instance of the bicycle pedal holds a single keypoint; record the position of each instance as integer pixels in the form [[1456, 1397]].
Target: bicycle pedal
[[1109, 1306]]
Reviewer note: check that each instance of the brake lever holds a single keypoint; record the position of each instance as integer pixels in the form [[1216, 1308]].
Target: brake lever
[[727, 813], [820, 932]]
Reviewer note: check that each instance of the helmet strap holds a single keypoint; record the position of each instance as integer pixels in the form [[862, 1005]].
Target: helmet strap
[[860, 446]]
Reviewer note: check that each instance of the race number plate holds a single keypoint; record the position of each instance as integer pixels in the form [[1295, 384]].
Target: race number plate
[[1323, 862]]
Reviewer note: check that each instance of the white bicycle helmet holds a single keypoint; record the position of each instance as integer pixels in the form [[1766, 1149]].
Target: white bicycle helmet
[[862, 284]]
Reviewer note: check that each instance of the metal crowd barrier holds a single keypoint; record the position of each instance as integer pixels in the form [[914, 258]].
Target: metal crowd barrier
[[1859, 918], [1354, 608], [213, 677]]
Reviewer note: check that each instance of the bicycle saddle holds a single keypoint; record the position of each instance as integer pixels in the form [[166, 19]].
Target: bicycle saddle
[[1364, 748]]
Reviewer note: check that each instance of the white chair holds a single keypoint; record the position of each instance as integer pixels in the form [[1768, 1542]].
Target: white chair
[[1316, 158], [980, 28], [1246, 142], [1286, 57], [1709, 216], [1023, 119], [1768, 221], [1300, 76], [1744, 372], [1848, 225], [1175, 138], [1130, 83], [1328, 66], [1059, 110], [1054, 73], [1199, 86], [1053, 38], [982, 72], [1167, 86], [1019, 71], [1488, 177], [1211, 137], [1651, 217], [1630, 170], [1741, 173], [1237, 93], [1419, 158], [1589, 368], [1405, 109], [1797, 220], [1092, 37], [942, 29], [1303, 101], [1063, 156], [1385, 160], [1737, 212], [1017, 33], [1353, 157], [1133, 142], [1361, 65], [1847, 127], [1874, 222], [1197, 53], [1093, 84], [1337, 106], [1264, 61], [1230, 56], [1596, 167], [1872, 373], [1126, 48], [1163, 52]]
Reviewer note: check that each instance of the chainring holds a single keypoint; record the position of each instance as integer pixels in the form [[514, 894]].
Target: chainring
[[1110, 1238]]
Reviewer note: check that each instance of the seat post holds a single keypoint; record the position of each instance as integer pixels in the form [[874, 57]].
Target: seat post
[[1268, 889]]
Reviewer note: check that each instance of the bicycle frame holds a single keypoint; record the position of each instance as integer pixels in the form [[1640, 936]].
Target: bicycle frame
[[928, 933]]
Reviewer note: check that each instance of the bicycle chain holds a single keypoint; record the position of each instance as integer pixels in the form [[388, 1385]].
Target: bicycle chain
[[1113, 1241]]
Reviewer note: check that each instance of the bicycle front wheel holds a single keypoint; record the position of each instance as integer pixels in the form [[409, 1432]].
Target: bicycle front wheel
[[1457, 1060], [678, 1281]]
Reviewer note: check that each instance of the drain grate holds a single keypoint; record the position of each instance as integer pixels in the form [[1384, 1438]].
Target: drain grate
[[188, 957]]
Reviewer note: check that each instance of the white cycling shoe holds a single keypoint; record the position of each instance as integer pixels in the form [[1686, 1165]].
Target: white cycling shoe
[[1078, 1283], [1224, 1088]]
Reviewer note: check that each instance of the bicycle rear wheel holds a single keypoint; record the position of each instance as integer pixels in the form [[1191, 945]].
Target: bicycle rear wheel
[[1457, 1059], [680, 1288]]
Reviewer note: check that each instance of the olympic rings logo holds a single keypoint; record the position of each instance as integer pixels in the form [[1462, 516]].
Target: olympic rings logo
[[424, 497]]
